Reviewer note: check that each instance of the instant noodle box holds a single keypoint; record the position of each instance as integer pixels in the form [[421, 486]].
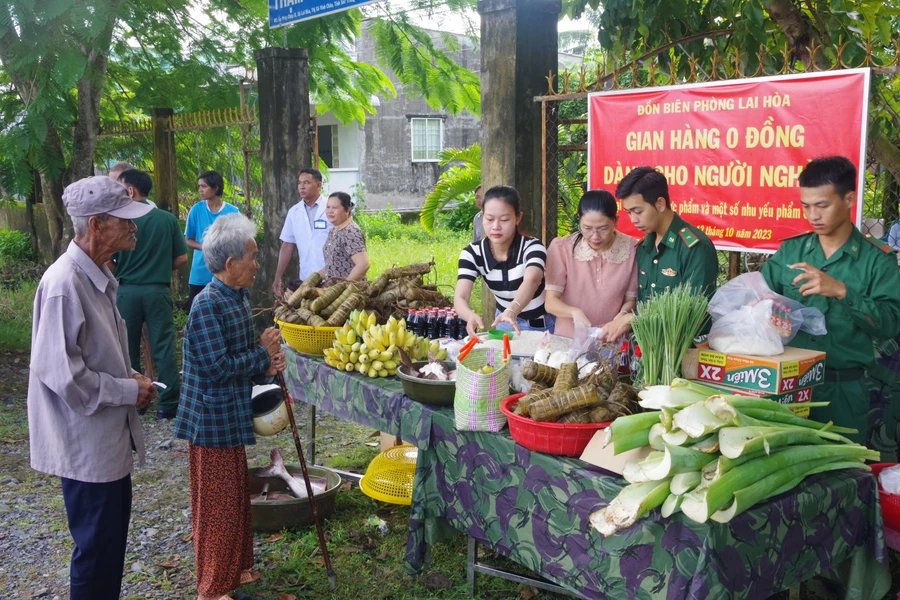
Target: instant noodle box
[[797, 396], [792, 370]]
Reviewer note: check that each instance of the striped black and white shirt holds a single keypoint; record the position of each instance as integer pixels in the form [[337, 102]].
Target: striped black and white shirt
[[505, 278]]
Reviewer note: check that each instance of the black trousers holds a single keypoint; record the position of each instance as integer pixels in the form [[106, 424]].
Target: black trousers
[[195, 289], [98, 521]]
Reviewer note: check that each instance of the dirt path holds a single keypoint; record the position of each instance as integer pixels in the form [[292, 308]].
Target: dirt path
[[35, 546]]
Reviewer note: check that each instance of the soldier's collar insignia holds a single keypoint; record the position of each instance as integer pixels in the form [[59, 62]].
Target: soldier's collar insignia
[[688, 237]]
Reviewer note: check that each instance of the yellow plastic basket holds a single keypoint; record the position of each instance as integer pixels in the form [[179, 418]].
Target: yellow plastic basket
[[306, 339], [390, 475]]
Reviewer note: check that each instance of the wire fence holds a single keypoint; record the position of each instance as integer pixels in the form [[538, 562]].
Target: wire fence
[[565, 121], [226, 141]]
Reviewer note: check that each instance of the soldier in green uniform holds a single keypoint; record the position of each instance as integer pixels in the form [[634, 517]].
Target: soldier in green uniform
[[673, 251], [145, 276], [851, 278]]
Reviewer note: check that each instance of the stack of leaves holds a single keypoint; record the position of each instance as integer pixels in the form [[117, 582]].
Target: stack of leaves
[[664, 327], [715, 456], [320, 307], [558, 395], [391, 294], [398, 289]]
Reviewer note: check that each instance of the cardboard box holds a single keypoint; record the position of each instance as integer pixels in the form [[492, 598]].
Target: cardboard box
[[595, 454], [801, 395], [794, 369]]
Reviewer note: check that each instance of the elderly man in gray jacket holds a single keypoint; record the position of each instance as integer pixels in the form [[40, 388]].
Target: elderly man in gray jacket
[[83, 394]]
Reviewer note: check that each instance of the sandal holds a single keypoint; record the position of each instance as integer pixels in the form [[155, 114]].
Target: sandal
[[249, 576]]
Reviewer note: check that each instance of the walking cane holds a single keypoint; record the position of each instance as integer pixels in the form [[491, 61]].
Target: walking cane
[[289, 403]]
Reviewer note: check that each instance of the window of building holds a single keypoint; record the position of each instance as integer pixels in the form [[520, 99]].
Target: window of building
[[427, 139], [328, 146]]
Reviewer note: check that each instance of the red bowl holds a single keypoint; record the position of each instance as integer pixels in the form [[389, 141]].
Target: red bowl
[[564, 439], [890, 503]]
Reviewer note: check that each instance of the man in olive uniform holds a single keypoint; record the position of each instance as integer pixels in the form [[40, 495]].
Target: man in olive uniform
[[672, 252], [145, 277], [851, 278]]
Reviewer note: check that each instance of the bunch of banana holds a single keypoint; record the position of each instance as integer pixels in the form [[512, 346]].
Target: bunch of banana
[[371, 349]]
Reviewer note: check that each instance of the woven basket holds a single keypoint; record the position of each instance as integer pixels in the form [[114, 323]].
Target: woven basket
[[476, 404], [305, 339], [389, 477]]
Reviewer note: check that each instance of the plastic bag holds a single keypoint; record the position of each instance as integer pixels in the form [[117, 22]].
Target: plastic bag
[[517, 381], [586, 339], [748, 330], [786, 316], [543, 352], [890, 479]]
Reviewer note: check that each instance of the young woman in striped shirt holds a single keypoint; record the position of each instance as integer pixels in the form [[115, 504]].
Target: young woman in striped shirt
[[510, 264]]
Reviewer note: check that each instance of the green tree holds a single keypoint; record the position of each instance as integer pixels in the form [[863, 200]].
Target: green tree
[[461, 178], [64, 64]]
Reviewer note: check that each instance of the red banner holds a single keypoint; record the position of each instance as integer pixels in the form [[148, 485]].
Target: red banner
[[731, 151]]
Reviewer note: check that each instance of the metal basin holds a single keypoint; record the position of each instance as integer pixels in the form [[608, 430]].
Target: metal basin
[[427, 391], [275, 515]]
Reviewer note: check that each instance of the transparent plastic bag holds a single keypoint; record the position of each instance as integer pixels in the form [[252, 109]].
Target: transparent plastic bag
[[786, 316], [748, 330]]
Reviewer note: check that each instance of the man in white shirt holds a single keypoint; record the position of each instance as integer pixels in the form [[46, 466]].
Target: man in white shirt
[[305, 229]]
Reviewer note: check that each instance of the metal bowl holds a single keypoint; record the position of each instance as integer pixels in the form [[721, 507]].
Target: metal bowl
[[275, 515], [427, 391]]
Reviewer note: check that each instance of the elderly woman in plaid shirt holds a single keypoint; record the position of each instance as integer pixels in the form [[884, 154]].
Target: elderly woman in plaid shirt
[[221, 360]]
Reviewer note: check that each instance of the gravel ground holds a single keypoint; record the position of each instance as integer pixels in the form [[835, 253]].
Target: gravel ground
[[35, 545]]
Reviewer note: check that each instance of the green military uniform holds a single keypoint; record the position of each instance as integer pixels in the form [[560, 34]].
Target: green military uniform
[[144, 296], [684, 255], [870, 310]]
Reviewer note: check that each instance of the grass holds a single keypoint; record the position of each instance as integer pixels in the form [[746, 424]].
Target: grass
[[15, 316], [369, 564], [409, 244]]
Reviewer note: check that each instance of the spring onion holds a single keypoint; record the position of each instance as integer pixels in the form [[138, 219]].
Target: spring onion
[[664, 327]]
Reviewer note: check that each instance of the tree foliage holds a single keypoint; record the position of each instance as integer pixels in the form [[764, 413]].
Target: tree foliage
[[65, 64], [461, 178]]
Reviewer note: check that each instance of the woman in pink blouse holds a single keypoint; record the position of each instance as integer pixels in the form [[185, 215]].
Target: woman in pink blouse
[[591, 274]]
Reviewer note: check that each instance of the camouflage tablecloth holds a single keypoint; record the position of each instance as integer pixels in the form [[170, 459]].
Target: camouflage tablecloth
[[534, 508]]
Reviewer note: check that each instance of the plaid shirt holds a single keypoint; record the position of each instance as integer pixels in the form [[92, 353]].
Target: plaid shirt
[[220, 358]]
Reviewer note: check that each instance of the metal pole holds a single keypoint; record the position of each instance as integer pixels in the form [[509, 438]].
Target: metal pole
[[315, 134], [544, 173], [284, 36], [246, 153]]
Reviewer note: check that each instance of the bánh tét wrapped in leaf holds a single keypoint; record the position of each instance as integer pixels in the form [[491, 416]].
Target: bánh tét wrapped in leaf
[[538, 373], [560, 403], [567, 378]]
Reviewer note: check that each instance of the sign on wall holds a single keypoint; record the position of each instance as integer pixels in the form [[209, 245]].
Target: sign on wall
[[732, 151], [288, 12]]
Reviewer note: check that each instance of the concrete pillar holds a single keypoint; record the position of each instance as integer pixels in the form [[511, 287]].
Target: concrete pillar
[[285, 149], [518, 50], [165, 174]]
